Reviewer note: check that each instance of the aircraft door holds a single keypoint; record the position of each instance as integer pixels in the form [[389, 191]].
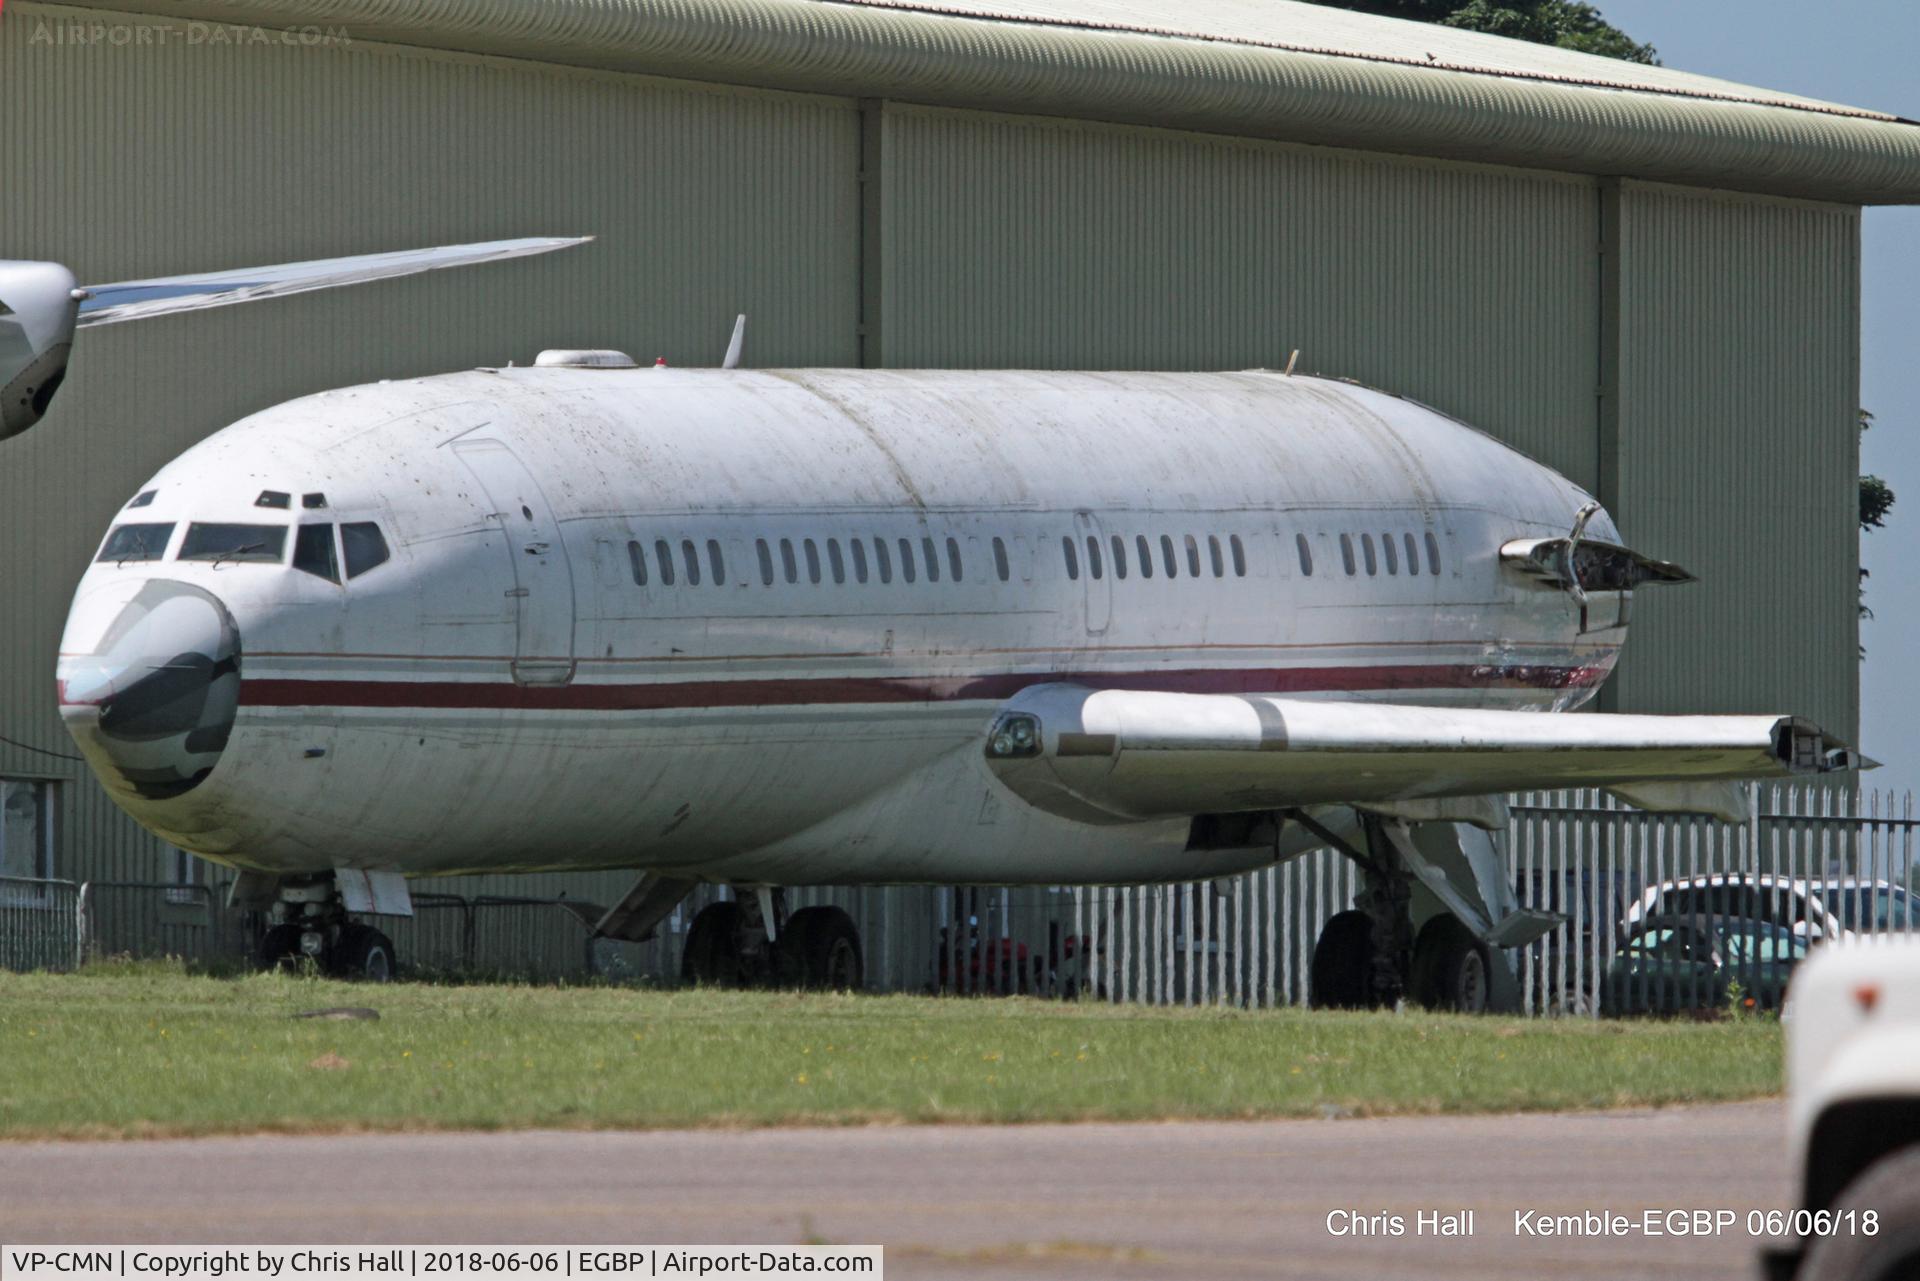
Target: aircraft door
[[542, 576], [1096, 575]]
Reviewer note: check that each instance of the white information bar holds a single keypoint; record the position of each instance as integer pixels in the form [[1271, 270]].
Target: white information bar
[[432, 1262]]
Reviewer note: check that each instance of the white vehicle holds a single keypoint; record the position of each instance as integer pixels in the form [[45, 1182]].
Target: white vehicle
[[1853, 1098], [837, 626], [1840, 908]]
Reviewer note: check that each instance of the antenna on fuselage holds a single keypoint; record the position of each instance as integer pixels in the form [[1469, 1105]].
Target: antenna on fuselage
[[738, 341], [1288, 371]]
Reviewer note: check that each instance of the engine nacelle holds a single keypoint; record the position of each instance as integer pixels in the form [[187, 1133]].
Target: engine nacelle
[[39, 305]]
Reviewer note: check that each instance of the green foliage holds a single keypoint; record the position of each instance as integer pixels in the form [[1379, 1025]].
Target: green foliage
[[1566, 24], [1876, 496]]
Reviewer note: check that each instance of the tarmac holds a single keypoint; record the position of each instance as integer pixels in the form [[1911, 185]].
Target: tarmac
[[1172, 1200]]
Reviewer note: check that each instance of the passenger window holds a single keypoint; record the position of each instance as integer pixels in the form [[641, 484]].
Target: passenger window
[[1239, 555], [313, 552], [262, 543], [1346, 553], [1119, 556], [1193, 557], [1433, 555], [1145, 554], [1366, 554], [813, 559], [364, 545], [836, 566], [1093, 556], [881, 560], [635, 557], [663, 557], [906, 560], [1413, 557], [1167, 558], [933, 560], [1306, 555], [1393, 559], [1000, 560], [789, 567], [716, 563], [1213, 554], [859, 550], [692, 557], [766, 561], [953, 558], [1073, 561], [136, 542]]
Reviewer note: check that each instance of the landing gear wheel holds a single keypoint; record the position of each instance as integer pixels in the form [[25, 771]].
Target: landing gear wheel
[[279, 946], [364, 953], [1342, 975], [1891, 1188], [1451, 969], [824, 945], [712, 957]]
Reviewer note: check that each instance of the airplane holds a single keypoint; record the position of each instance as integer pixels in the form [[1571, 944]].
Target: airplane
[[42, 306], [767, 628]]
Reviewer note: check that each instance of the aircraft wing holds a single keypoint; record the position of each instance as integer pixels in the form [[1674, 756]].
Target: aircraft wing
[[166, 295], [1115, 756]]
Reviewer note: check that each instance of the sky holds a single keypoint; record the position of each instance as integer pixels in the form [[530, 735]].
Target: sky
[[1865, 53]]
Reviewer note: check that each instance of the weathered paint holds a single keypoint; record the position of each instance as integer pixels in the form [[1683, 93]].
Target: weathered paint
[[716, 684]]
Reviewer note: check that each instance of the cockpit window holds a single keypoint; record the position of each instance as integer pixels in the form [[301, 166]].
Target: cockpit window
[[136, 542], [223, 542], [364, 547], [273, 498], [313, 552], [143, 498]]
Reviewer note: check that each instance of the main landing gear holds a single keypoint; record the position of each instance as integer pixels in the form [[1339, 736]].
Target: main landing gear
[[308, 920], [1371, 957], [753, 941]]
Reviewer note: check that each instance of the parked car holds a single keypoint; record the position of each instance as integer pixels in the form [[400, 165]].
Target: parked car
[[1672, 965], [1853, 1118], [1813, 909]]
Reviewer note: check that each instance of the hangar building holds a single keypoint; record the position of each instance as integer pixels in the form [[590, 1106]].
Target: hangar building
[[1646, 279]]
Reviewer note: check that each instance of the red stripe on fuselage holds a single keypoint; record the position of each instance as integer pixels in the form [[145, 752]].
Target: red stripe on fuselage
[[806, 691]]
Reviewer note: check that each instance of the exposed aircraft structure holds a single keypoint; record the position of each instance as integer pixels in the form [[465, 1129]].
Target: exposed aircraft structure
[[828, 626], [41, 305]]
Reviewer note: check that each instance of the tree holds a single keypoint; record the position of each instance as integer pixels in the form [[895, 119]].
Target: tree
[[1567, 24], [1876, 500]]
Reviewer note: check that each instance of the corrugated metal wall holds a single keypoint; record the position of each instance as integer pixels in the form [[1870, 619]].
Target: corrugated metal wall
[[159, 155], [1049, 244], [1738, 451], [989, 241]]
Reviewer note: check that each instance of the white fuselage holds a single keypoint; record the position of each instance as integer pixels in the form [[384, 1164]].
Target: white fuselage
[[845, 573]]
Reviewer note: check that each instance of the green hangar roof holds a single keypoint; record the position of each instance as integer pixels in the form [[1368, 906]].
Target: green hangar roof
[[1257, 68]]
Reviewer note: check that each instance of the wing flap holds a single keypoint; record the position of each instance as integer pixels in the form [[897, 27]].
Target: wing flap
[[1129, 755]]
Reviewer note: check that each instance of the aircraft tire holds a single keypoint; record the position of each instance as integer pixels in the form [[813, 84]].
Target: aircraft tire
[[712, 957], [362, 953], [1342, 974], [1890, 1188], [1451, 969], [826, 944], [279, 946]]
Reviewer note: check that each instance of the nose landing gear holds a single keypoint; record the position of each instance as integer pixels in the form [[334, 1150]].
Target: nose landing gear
[[308, 919]]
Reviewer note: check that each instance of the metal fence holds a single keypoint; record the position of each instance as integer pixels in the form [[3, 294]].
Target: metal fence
[[1664, 913], [42, 924]]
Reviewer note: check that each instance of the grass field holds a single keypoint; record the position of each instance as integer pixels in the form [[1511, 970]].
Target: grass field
[[150, 1050]]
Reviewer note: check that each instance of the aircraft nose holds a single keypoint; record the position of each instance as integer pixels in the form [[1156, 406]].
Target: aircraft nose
[[149, 682]]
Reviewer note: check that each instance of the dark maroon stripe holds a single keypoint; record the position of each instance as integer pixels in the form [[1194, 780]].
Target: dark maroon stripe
[[897, 689]]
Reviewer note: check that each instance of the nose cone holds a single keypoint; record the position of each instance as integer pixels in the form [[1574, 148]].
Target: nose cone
[[149, 680]]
